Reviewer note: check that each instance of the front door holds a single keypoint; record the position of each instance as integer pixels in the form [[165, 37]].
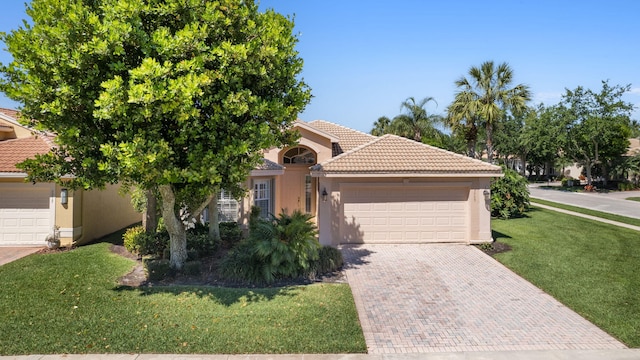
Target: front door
[[298, 187], [299, 190]]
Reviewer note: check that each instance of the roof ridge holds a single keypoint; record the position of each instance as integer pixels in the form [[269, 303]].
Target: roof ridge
[[461, 156]]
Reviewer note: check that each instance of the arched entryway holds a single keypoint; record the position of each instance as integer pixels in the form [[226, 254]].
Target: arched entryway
[[299, 188]]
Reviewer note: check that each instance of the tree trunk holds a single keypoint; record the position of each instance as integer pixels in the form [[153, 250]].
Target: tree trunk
[[490, 143], [214, 226], [175, 227], [587, 167], [523, 165], [150, 216]]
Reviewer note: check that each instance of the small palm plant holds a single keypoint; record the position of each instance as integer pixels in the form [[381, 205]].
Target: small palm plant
[[286, 244]]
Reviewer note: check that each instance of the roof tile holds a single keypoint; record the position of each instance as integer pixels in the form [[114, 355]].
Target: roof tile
[[391, 154], [15, 151], [349, 138]]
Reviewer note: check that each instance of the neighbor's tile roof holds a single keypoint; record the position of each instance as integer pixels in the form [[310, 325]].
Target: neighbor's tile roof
[[10, 112], [17, 150], [391, 154], [269, 165], [349, 138]]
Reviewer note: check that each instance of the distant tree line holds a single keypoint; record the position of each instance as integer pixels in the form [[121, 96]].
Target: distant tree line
[[490, 118]]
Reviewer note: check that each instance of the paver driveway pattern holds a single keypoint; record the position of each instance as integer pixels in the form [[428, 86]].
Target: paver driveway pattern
[[444, 298]]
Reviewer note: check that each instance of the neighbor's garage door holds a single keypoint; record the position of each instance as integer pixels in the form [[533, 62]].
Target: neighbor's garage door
[[398, 214], [25, 214]]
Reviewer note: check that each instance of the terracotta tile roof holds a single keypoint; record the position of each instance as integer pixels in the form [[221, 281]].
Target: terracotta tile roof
[[349, 138], [391, 154], [17, 150], [269, 165], [10, 112]]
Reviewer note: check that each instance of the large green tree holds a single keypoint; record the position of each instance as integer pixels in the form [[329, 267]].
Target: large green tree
[[177, 95], [485, 97], [597, 125]]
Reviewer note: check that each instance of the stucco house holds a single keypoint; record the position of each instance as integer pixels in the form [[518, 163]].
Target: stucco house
[[28, 212], [366, 189]]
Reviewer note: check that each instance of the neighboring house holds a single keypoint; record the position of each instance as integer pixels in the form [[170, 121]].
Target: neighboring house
[[29, 212], [366, 189]]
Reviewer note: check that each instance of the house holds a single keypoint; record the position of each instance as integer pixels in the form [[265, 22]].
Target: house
[[366, 189], [29, 212]]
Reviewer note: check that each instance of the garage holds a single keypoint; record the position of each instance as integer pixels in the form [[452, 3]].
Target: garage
[[405, 214], [26, 214]]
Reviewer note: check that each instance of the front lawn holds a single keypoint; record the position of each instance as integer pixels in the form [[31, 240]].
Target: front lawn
[[69, 303], [633, 198], [589, 266]]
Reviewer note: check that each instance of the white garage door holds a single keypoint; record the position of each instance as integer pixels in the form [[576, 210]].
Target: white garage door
[[400, 214], [25, 214]]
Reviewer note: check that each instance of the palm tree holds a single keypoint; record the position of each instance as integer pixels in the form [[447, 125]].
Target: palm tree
[[416, 123], [486, 97], [462, 118], [381, 126]]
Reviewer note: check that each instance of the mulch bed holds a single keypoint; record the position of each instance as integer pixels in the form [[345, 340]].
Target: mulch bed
[[209, 276], [494, 248]]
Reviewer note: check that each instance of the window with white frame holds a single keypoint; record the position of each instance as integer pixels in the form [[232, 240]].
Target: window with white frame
[[262, 197], [227, 207]]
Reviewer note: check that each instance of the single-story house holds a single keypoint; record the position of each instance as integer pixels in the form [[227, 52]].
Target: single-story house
[[29, 212], [362, 188]]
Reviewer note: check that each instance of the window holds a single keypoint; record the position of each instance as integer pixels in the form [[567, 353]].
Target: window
[[299, 155], [307, 193], [262, 197], [227, 207]]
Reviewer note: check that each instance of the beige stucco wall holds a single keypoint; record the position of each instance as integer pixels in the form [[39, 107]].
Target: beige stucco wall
[[331, 213], [19, 132], [105, 211]]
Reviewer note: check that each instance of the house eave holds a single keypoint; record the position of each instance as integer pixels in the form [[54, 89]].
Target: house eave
[[12, 175], [406, 175], [257, 173]]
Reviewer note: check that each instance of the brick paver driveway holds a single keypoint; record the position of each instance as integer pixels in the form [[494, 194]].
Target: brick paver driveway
[[441, 298]]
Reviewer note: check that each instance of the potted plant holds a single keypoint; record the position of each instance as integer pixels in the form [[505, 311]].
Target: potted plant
[[53, 239]]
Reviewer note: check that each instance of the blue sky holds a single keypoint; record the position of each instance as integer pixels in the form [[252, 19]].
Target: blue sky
[[363, 58]]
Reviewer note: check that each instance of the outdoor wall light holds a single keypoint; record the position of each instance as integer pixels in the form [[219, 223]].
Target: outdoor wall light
[[64, 196], [324, 195], [487, 195]]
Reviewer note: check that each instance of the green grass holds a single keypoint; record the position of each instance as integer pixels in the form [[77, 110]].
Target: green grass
[[589, 266], [69, 303], [633, 198], [600, 214]]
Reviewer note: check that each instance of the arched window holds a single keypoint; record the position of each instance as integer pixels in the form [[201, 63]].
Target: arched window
[[299, 155]]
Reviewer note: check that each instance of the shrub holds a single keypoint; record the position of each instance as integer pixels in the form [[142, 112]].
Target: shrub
[[137, 241], [230, 234], [280, 248], [192, 268], [202, 244], [241, 263], [329, 260], [509, 195], [157, 269]]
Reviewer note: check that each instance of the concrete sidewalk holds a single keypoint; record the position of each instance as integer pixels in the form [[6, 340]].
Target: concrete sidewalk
[[626, 354], [590, 217]]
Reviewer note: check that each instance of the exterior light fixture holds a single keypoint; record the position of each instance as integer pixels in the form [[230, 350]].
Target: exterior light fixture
[[324, 195], [487, 195], [487, 199], [64, 196]]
